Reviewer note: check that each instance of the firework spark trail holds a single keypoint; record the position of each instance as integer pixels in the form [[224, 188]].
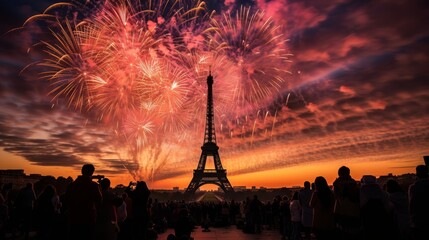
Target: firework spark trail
[[272, 128], [253, 132], [141, 68], [287, 99], [68, 71]]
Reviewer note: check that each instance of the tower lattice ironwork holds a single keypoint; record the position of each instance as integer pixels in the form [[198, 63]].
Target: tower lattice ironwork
[[202, 175]]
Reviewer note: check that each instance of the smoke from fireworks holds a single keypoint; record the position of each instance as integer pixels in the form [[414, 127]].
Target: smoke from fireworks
[[140, 68]]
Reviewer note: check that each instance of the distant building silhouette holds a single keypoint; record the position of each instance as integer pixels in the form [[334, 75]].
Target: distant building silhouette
[[18, 177], [239, 188]]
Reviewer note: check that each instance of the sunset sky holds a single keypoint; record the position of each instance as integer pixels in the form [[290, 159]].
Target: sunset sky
[[357, 95]]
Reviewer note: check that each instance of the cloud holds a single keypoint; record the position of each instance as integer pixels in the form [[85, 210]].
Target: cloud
[[297, 16], [53, 159], [313, 108], [346, 90], [377, 104]]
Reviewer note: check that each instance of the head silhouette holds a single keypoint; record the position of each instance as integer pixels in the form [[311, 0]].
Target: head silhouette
[[88, 170], [321, 183], [295, 196], [141, 185], [392, 186], [171, 237], [50, 190], [105, 183], [124, 196], [343, 171], [422, 171], [307, 184], [368, 180]]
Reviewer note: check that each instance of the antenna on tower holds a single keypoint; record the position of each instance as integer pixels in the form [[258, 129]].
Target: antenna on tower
[[210, 70]]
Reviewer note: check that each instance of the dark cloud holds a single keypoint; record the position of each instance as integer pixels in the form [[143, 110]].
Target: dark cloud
[[64, 160], [124, 164], [92, 148], [64, 135]]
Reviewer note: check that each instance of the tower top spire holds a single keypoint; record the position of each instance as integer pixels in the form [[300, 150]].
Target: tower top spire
[[210, 134]]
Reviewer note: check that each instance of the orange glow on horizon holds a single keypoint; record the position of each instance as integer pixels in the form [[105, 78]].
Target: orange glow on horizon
[[277, 178]]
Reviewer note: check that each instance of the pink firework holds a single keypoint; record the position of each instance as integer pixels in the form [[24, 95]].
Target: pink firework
[[140, 67], [256, 47]]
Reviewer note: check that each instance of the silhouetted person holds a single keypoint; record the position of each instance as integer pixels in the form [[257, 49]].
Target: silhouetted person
[[121, 210], [158, 216], [347, 208], [419, 203], [234, 211], [255, 213], [46, 212], [295, 212], [140, 216], [4, 216], [122, 215], [5, 190], [225, 214], [268, 215], [285, 216], [248, 225], [307, 211], [107, 224], [83, 197], [275, 208], [25, 201], [322, 202], [376, 211], [399, 199], [183, 226]]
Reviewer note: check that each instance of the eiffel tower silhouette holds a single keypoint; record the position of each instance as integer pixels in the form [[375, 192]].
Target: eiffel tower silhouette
[[202, 175]]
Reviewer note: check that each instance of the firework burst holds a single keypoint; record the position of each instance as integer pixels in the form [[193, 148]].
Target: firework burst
[[256, 47], [68, 67], [140, 67], [166, 89]]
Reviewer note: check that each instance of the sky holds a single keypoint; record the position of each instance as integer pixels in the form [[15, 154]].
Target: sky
[[357, 95]]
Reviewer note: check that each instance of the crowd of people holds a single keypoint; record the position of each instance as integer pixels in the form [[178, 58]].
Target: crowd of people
[[348, 209], [362, 209]]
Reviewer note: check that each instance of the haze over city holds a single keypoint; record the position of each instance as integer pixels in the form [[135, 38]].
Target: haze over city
[[338, 83]]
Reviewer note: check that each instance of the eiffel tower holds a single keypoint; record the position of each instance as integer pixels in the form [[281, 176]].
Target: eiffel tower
[[202, 175]]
